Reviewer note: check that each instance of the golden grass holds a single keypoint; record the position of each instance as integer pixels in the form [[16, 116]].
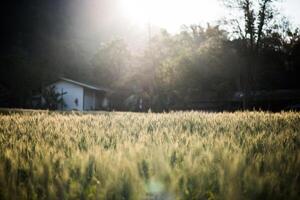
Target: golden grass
[[181, 155]]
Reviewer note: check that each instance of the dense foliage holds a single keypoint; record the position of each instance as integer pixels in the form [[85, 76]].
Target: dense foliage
[[183, 155], [258, 51]]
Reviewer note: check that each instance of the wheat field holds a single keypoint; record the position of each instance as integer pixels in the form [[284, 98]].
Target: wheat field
[[177, 155]]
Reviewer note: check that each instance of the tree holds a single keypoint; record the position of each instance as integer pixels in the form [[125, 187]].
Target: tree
[[52, 99], [259, 20], [111, 63], [197, 63]]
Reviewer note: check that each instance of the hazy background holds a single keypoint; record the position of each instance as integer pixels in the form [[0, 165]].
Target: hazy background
[[42, 40], [85, 24]]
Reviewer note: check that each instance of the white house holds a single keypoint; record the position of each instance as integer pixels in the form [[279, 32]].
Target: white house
[[80, 96]]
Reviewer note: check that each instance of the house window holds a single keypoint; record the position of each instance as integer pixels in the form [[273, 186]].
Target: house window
[[76, 102]]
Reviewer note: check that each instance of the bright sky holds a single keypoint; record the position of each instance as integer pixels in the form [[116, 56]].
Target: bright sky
[[291, 9], [171, 14]]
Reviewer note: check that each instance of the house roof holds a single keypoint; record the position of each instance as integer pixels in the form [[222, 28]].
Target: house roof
[[85, 85]]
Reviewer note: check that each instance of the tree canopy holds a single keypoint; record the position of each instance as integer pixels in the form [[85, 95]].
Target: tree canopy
[[260, 51]]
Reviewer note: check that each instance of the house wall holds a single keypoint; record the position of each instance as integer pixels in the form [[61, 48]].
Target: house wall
[[99, 101], [73, 92], [89, 100]]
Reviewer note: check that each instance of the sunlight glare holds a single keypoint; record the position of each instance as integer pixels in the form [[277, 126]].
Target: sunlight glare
[[170, 14]]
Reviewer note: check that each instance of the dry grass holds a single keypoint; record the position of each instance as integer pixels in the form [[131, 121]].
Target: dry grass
[[183, 155]]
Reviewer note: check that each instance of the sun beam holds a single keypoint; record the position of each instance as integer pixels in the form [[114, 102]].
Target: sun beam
[[171, 14]]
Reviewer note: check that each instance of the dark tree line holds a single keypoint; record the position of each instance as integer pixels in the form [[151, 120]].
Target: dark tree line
[[260, 51], [266, 40]]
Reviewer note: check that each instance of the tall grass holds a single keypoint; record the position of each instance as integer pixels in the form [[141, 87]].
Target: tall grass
[[182, 155]]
